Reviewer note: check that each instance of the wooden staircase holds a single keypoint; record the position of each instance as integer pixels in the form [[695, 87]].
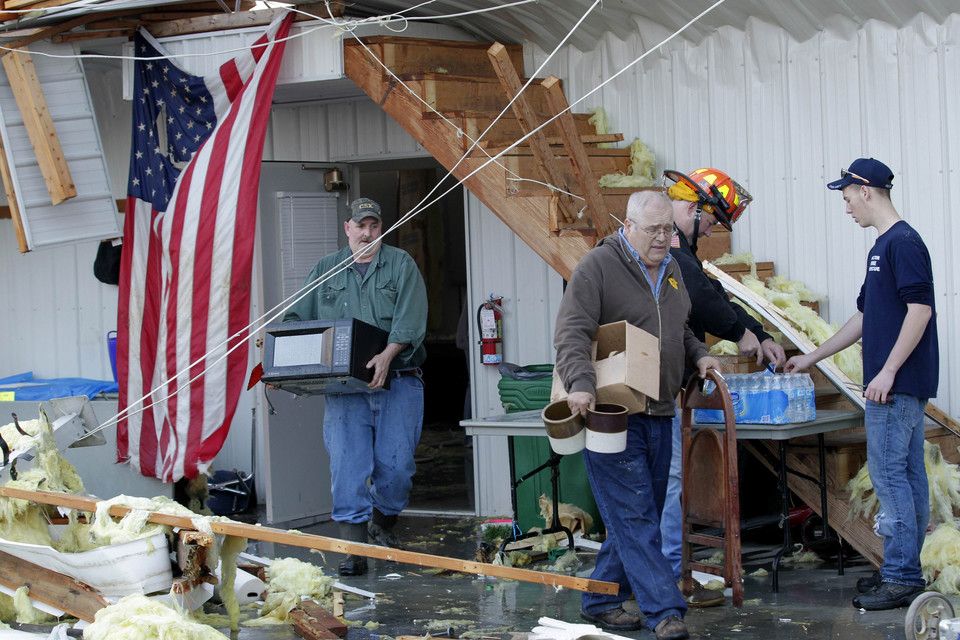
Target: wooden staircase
[[446, 94]]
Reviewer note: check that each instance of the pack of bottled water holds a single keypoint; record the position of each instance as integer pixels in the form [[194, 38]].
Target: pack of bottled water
[[764, 398]]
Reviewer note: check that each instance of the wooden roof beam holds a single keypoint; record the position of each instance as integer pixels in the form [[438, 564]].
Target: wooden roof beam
[[528, 120], [39, 124], [222, 21], [589, 186]]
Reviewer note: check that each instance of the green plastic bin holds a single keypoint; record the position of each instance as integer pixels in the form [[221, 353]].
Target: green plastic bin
[[529, 453]]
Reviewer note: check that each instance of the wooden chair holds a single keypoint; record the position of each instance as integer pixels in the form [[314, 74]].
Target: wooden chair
[[711, 495]]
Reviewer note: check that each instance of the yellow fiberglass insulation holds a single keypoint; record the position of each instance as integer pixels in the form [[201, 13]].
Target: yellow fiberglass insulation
[[600, 123], [16, 440], [850, 360], [19, 608], [229, 550], [641, 170], [943, 479], [296, 576], [940, 559], [137, 617], [275, 610], [738, 258]]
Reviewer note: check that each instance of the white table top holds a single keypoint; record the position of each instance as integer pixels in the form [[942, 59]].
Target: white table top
[[528, 423]]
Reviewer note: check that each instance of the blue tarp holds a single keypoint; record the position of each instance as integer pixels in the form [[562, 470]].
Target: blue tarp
[[24, 386]]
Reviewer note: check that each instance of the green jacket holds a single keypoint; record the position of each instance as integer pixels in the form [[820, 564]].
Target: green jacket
[[392, 296]]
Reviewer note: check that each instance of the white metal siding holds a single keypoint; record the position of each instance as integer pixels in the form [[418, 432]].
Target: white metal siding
[[498, 262], [783, 117]]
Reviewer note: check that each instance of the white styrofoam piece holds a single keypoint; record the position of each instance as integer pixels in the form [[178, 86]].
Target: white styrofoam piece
[[140, 566]]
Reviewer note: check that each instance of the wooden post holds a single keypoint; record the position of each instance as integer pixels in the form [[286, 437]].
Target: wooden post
[[36, 118], [589, 186], [9, 189], [528, 122], [308, 541]]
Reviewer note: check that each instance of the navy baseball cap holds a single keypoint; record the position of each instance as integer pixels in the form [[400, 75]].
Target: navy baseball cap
[[866, 171], [364, 208]]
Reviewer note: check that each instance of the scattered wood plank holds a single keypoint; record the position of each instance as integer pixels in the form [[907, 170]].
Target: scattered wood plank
[[49, 587], [49, 32], [39, 124], [528, 120], [13, 208], [329, 621], [578, 157], [308, 541], [93, 35]]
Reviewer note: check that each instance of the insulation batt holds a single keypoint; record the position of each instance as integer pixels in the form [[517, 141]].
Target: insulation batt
[[600, 123], [641, 170], [137, 617]]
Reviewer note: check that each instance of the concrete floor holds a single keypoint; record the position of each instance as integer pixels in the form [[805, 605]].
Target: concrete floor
[[813, 602]]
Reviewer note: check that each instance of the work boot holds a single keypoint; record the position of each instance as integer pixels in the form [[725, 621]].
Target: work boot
[[703, 597], [353, 532], [615, 619], [672, 628], [868, 584], [380, 529], [889, 595]]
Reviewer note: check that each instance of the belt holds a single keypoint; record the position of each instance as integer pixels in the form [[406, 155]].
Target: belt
[[415, 372]]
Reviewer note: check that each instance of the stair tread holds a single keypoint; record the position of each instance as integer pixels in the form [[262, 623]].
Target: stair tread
[[430, 42], [457, 77]]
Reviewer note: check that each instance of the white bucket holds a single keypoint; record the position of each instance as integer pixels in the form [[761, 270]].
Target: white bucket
[[564, 430]]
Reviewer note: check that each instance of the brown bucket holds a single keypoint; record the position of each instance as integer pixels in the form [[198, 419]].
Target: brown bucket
[[607, 428]]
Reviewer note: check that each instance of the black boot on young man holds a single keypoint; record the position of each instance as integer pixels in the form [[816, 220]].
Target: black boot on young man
[[871, 582], [353, 532], [889, 595], [615, 619], [381, 532]]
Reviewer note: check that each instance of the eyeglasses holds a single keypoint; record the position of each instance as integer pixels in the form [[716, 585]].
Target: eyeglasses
[[654, 232], [844, 173]]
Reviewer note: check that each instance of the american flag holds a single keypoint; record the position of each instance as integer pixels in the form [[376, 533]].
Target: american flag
[[187, 252]]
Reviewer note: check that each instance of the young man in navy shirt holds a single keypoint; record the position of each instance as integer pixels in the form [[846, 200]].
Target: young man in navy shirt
[[897, 319]]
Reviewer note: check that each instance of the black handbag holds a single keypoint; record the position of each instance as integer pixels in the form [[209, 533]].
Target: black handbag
[[106, 266]]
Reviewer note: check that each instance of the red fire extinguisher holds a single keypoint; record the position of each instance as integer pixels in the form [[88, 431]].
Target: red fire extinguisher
[[489, 320]]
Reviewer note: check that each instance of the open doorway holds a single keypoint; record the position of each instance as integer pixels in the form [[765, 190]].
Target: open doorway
[[435, 239]]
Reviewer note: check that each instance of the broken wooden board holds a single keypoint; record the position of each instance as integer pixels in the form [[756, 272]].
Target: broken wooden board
[[309, 541], [318, 617], [51, 588]]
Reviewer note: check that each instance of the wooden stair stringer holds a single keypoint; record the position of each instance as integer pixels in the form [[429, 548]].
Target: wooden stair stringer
[[529, 217]]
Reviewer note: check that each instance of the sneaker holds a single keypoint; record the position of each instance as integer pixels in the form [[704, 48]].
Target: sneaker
[[672, 628], [889, 595], [703, 597], [868, 584], [615, 619]]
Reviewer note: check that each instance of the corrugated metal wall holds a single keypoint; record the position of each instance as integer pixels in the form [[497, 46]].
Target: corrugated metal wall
[[499, 263], [783, 117]]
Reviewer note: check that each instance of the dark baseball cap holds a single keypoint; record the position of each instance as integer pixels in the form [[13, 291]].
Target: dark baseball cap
[[866, 171], [364, 208]]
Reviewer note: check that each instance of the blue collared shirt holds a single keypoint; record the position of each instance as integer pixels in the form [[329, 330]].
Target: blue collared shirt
[[636, 256]]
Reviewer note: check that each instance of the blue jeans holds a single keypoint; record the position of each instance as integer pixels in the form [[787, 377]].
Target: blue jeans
[[895, 460], [629, 488], [373, 436], [671, 520]]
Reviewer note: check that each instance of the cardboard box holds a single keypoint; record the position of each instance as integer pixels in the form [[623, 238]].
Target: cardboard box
[[627, 361]]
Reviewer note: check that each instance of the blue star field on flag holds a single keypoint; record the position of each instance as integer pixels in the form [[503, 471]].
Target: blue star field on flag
[[172, 116]]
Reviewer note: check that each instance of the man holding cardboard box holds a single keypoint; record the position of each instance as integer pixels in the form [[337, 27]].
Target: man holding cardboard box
[[629, 276]]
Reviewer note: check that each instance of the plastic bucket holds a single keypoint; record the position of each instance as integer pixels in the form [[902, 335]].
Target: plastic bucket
[[564, 430], [607, 428], [112, 350]]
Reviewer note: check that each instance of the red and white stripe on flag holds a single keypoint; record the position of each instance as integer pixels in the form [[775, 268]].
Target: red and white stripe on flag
[[188, 253]]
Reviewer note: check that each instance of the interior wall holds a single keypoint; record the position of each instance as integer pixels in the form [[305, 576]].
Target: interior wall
[[782, 117]]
